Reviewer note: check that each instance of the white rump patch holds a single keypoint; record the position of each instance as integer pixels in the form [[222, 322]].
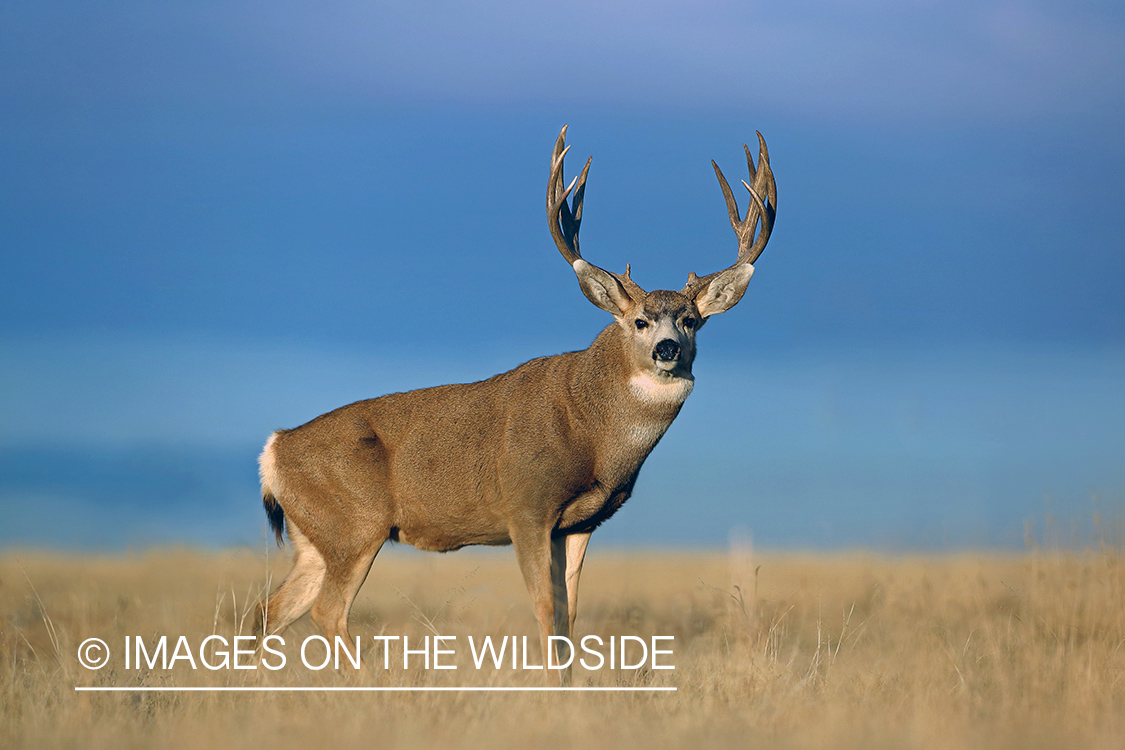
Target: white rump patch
[[267, 468]]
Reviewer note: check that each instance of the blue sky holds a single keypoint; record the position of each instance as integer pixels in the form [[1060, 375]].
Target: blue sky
[[219, 219]]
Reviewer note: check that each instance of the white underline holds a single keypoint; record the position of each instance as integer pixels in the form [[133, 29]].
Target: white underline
[[149, 689]]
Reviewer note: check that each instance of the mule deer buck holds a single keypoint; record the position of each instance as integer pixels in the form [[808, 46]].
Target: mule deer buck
[[537, 457]]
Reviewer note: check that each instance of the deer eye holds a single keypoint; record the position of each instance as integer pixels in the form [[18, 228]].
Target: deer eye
[[641, 324], [689, 323]]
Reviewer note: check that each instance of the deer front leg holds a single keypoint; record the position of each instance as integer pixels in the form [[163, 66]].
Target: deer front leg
[[567, 554], [560, 624], [533, 552], [575, 554]]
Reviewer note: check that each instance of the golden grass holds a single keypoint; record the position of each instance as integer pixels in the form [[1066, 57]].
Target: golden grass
[[833, 650]]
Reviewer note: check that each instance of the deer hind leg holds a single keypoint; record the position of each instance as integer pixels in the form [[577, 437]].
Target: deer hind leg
[[299, 589], [341, 584]]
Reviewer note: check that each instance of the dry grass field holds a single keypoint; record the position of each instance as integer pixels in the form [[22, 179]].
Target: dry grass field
[[789, 651]]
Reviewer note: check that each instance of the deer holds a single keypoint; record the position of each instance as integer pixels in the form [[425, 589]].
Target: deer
[[537, 457]]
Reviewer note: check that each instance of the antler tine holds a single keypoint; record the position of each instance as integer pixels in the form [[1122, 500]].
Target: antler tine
[[750, 161], [580, 192], [728, 196], [760, 209], [571, 219]]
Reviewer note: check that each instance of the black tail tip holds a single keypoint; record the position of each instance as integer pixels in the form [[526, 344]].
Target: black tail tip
[[275, 515]]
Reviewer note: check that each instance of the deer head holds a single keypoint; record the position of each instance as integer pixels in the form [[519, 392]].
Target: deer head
[[661, 325]]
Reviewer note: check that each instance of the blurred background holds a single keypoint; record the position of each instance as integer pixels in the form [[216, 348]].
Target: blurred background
[[218, 219]]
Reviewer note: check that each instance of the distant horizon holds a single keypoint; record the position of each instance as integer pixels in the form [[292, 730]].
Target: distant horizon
[[875, 450]]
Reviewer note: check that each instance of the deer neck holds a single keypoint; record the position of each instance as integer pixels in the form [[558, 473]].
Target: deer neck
[[643, 392]]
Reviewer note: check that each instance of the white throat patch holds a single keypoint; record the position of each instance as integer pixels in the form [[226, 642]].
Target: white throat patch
[[654, 389]]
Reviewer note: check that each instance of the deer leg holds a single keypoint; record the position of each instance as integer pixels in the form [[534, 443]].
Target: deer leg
[[533, 552], [575, 554], [296, 593], [561, 604], [341, 584], [566, 565]]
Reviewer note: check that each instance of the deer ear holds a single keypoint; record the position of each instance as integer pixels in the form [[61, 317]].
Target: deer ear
[[724, 291], [602, 288]]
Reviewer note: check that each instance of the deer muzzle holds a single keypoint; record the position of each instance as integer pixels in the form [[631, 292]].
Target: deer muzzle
[[666, 351]]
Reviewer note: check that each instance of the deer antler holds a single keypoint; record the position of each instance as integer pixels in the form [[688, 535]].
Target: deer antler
[[760, 209], [565, 219]]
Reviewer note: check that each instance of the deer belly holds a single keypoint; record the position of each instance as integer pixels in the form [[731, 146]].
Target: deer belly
[[453, 518], [450, 534]]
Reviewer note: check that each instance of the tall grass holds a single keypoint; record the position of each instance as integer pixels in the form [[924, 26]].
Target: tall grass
[[834, 650]]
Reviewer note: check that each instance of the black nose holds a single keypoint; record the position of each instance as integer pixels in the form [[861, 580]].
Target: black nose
[[666, 351]]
